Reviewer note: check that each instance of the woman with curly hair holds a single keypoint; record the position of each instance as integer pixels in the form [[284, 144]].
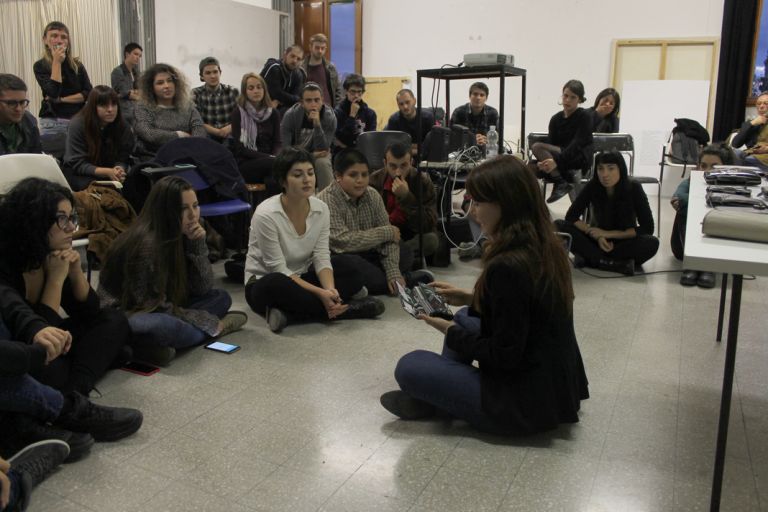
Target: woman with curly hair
[[165, 111], [530, 376], [159, 274], [62, 78], [99, 141], [39, 275]]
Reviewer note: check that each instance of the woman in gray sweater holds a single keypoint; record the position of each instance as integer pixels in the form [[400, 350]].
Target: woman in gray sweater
[[165, 111]]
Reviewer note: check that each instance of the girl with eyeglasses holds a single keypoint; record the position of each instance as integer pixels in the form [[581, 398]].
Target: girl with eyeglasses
[[62, 77], [40, 274], [99, 141]]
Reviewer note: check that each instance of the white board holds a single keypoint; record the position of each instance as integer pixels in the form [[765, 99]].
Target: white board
[[240, 35], [648, 112]]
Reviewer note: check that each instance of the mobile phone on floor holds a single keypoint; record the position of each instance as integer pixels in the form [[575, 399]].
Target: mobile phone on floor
[[218, 346], [140, 368]]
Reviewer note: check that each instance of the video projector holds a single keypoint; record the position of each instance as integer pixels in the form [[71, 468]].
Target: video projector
[[488, 59]]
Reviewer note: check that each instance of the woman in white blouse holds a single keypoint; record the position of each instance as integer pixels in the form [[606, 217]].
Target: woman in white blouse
[[289, 272]]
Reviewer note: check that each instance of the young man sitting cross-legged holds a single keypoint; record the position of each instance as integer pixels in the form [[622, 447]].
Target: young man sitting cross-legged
[[360, 227]]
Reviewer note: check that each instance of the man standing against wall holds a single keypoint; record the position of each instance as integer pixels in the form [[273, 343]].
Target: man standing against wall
[[125, 80], [285, 78], [18, 128], [215, 101], [321, 71]]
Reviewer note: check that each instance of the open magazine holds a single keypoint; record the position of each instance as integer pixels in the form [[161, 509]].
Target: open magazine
[[422, 299]]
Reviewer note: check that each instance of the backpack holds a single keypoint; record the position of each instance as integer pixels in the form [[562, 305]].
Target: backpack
[[687, 137]]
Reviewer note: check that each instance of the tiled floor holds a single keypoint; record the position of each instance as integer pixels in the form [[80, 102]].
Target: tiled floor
[[292, 421]]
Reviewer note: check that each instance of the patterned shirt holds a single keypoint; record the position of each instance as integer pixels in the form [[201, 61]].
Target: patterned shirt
[[359, 225], [477, 123], [215, 106]]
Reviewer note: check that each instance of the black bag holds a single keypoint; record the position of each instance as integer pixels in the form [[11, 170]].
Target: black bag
[[687, 136], [745, 178]]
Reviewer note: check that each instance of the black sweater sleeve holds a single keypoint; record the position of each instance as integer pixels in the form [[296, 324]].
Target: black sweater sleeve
[[747, 135], [503, 343], [17, 315], [580, 204], [575, 149], [18, 358]]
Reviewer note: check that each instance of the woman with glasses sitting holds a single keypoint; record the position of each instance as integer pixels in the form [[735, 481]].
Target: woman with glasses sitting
[[40, 275]]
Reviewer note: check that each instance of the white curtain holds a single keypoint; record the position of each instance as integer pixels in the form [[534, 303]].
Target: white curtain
[[93, 29]]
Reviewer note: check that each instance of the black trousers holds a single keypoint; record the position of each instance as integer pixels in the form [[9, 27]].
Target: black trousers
[[369, 265], [677, 240], [641, 248], [280, 291], [259, 170], [95, 344]]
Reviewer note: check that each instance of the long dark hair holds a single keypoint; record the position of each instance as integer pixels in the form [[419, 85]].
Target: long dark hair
[[624, 186], [27, 213], [525, 235], [610, 91], [102, 148], [156, 232]]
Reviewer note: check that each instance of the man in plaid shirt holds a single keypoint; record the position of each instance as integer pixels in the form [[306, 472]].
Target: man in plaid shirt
[[215, 101], [476, 115], [360, 227]]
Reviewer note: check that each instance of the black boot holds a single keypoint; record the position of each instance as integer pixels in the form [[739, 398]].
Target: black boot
[[104, 423], [369, 307], [626, 267], [560, 189]]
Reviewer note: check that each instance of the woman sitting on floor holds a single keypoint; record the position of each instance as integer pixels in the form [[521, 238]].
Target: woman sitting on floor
[[605, 111], [256, 132], [530, 376], [569, 144], [39, 275], [165, 111], [620, 230], [99, 141], [289, 271], [710, 156], [159, 274]]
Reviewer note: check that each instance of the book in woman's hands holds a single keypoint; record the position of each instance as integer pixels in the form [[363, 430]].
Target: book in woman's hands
[[422, 299]]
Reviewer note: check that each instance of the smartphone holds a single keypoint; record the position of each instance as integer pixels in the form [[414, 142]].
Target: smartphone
[[140, 368], [218, 346]]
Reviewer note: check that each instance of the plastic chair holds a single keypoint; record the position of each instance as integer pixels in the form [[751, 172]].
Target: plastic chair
[[374, 144], [15, 167], [625, 144]]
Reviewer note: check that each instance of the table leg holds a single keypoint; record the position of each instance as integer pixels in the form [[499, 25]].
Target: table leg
[[725, 400], [721, 314]]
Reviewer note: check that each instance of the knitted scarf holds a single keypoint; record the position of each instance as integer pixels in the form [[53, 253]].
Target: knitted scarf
[[249, 121]]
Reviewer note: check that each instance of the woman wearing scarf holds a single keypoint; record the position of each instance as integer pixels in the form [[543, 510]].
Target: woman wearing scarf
[[256, 132]]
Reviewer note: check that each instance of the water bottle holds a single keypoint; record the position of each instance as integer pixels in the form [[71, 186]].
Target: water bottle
[[492, 147]]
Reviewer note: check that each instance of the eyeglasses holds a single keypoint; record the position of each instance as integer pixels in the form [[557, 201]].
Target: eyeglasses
[[355, 91], [63, 221], [16, 103]]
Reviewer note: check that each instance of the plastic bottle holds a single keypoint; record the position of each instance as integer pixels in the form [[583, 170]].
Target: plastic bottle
[[492, 147]]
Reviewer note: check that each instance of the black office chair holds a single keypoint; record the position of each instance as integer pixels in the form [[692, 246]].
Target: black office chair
[[373, 145]]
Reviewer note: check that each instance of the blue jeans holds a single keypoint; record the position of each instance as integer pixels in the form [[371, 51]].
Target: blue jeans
[[449, 382], [171, 331], [469, 322], [23, 394]]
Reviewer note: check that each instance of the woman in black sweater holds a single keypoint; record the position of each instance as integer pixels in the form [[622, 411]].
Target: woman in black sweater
[[530, 376], [605, 111], [569, 145], [39, 275], [620, 232]]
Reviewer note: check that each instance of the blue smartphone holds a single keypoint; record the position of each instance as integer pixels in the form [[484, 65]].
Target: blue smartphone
[[218, 346]]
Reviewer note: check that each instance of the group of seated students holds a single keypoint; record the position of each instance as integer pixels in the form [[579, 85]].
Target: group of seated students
[[331, 236]]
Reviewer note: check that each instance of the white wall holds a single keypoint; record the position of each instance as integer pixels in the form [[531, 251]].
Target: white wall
[[240, 35], [554, 40]]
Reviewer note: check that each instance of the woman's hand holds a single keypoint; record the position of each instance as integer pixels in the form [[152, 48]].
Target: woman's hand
[[73, 257], [5, 484], [59, 54], [332, 302], [193, 231], [441, 324], [57, 265], [56, 342], [452, 295], [111, 173], [605, 244]]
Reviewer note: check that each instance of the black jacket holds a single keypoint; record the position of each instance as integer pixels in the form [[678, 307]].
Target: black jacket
[[283, 85], [18, 358], [747, 135]]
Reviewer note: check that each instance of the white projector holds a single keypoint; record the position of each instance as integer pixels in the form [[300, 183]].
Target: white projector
[[488, 59]]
